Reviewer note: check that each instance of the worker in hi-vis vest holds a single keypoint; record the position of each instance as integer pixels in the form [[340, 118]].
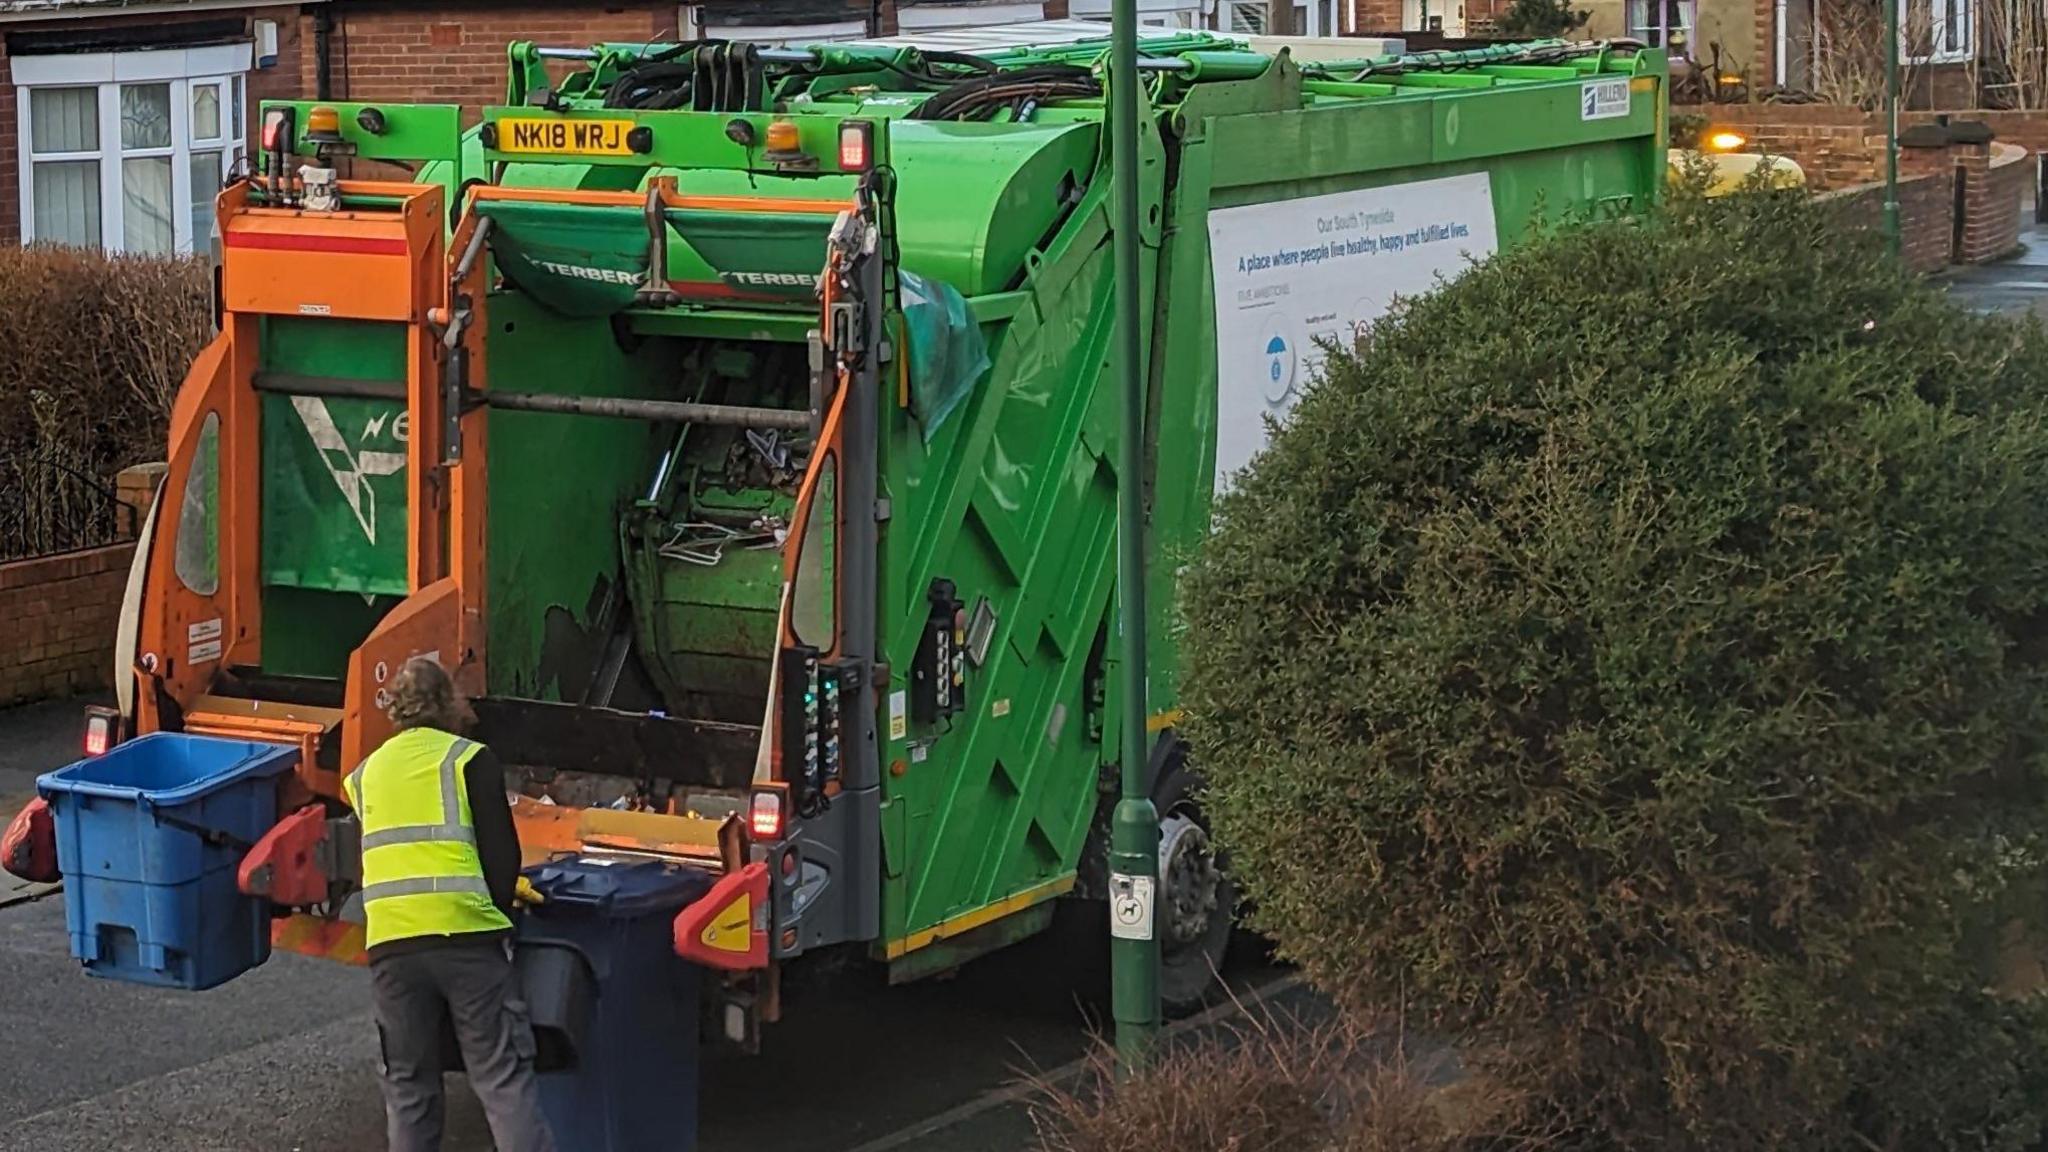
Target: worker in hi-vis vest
[[440, 875]]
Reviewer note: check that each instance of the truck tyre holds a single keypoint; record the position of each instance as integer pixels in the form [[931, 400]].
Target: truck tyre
[[1197, 898]]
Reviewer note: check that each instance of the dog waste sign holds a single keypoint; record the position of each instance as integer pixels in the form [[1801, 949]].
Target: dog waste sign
[[1130, 907]]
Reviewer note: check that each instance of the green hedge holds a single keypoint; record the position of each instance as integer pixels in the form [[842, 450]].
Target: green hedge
[[1634, 664]]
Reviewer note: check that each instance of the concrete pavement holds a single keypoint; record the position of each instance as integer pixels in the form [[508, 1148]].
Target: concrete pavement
[[2015, 285]]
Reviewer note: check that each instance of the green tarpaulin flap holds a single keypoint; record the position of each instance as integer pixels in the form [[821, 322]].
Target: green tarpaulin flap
[[582, 260], [947, 351], [334, 514], [577, 260], [756, 256]]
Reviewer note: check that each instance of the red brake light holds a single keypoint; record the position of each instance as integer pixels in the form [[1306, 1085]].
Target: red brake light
[[277, 130], [764, 816], [102, 728], [856, 140]]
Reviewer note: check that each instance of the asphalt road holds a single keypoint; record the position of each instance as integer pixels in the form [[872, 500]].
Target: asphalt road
[[283, 1059]]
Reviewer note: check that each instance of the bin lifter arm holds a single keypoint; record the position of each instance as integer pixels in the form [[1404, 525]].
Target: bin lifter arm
[[303, 860], [29, 847], [727, 927]]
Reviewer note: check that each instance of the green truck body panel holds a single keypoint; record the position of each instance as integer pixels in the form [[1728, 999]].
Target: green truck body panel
[[1012, 499], [557, 489]]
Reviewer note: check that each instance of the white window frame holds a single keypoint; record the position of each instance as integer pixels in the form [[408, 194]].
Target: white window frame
[[932, 17], [1947, 45], [1171, 15], [225, 65], [1660, 36]]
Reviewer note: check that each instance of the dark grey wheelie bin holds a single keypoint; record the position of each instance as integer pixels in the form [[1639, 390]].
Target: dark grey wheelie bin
[[614, 1009]]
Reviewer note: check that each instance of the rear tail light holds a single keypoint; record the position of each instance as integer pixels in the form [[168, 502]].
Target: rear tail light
[[277, 130], [856, 145], [102, 730], [766, 815]]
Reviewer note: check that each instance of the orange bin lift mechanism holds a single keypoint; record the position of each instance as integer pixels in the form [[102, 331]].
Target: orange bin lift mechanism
[[549, 830], [384, 263], [391, 266], [301, 726], [348, 265]]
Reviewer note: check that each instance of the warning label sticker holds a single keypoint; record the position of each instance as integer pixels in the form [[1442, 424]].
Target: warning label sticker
[[728, 931], [203, 641]]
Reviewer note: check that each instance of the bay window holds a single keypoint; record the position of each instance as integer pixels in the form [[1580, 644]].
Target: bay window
[[126, 150]]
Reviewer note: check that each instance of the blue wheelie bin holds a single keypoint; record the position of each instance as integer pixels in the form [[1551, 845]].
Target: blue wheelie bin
[[148, 839], [614, 1009]]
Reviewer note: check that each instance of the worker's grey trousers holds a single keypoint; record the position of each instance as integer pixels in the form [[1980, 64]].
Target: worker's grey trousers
[[471, 985]]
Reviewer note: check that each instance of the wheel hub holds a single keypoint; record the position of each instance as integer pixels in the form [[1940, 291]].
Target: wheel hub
[[1188, 873]]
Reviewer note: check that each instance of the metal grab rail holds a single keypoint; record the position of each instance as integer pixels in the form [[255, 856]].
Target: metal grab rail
[[680, 411]]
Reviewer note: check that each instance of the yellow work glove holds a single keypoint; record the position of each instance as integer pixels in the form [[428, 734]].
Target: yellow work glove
[[525, 893]]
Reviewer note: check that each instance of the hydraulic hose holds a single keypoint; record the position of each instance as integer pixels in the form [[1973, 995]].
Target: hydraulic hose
[[985, 95]]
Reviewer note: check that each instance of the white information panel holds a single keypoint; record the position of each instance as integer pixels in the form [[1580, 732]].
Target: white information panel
[[1291, 273]]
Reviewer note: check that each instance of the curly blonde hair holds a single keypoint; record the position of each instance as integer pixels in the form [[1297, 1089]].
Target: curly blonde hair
[[423, 695]]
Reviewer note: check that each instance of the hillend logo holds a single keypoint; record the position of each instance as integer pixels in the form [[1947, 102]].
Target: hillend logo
[[804, 280], [600, 275]]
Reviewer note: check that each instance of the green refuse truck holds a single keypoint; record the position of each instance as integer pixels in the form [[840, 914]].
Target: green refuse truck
[[739, 424]]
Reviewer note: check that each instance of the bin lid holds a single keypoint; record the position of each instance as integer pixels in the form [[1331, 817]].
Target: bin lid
[[612, 886], [167, 769]]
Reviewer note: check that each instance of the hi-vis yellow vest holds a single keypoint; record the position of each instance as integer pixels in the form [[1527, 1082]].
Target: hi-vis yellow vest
[[421, 872]]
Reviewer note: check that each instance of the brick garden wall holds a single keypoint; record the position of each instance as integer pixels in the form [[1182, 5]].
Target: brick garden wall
[[1996, 186], [1846, 145], [1836, 147], [1926, 216], [1982, 186], [60, 612]]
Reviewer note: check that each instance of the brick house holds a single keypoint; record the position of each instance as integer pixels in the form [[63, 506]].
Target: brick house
[[117, 116], [1948, 49], [1685, 27]]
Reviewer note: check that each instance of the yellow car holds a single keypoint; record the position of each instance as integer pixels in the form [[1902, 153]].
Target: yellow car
[[1732, 166]]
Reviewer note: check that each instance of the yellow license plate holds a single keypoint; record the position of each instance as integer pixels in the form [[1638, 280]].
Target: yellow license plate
[[566, 137]]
